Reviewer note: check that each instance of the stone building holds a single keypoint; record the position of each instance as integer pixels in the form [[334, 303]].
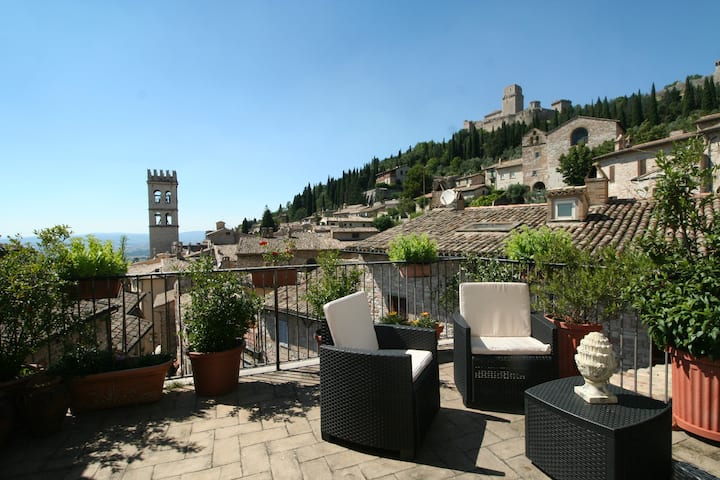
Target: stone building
[[162, 210], [541, 152], [513, 110]]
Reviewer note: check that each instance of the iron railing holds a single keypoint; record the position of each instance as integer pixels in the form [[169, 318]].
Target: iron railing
[[147, 314]]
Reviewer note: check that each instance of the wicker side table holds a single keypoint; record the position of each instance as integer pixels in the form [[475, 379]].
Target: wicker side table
[[570, 439]]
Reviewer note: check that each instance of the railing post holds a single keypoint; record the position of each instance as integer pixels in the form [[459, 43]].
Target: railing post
[[277, 321]]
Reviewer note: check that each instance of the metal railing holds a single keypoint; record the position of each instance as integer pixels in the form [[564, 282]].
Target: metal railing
[[147, 313]]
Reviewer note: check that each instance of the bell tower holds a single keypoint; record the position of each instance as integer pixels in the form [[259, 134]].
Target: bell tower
[[162, 210]]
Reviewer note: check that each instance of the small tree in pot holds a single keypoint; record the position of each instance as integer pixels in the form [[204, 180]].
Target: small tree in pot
[[219, 315], [679, 296]]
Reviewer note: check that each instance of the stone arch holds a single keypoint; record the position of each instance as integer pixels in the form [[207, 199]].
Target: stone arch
[[157, 194], [168, 197], [538, 186], [579, 135]]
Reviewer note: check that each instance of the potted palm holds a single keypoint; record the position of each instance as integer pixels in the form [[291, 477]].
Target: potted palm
[[413, 253], [678, 296], [220, 313]]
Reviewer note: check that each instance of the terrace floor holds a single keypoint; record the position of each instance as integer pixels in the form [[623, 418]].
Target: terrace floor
[[269, 428]]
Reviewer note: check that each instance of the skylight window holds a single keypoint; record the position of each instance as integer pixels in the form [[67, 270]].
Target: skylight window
[[489, 227]]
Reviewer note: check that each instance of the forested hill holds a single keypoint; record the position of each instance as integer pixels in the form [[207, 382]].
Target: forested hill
[[644, 117]]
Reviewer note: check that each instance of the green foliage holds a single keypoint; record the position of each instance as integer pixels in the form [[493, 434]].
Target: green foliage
[[487, 200], [34, 299], [575, 164], [91, 257], [221, 309], [393, 318], [585, 288], [425, 320], [413, 248], [83, 360], [678, 297], [383, 222], [332, 282], [516, 193], [417, 182], [267, 220], [527, 245]]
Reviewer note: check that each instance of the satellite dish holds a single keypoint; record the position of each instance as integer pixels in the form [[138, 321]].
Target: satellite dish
[[448, 197]]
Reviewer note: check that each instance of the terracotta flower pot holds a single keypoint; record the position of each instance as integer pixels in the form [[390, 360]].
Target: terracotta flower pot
[[44, 404], [216, 373], [569, 336], [439, 329], [87, 289], [415, 270], [696, 394], [266, 278], [118, 388]]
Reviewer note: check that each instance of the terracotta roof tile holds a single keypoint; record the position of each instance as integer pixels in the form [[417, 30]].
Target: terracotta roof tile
[[617, 222]]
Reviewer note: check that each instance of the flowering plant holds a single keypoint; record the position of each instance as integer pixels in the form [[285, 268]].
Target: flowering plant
[[393, 318], [280, 256], [425, 320]]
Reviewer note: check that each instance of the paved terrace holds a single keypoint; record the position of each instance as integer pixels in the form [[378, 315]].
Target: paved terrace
[[269, 428]]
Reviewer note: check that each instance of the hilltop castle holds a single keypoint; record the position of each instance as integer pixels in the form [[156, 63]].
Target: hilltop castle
[[513, 110]]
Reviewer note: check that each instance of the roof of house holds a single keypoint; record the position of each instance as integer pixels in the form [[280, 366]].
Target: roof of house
[[483, 230], [312, 241]]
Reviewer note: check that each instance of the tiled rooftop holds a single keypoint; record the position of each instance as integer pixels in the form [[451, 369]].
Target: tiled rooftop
[[268, 428]]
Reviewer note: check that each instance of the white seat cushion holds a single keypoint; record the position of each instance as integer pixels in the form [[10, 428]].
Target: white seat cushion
[[496, 309], [350, 322], [418, 358], [508, 346]]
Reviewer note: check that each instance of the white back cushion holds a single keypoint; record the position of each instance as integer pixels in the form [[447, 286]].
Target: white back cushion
[[496, 309], [350, 322]]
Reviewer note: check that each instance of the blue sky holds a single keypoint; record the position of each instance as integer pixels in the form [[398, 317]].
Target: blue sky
[[249, 101]]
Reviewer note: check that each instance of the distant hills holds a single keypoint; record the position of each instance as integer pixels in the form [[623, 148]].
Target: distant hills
[[138, 244]]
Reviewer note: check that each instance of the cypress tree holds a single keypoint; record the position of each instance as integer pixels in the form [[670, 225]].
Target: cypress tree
[[706, 101], [688, 101], [636, 113], [652, 114]]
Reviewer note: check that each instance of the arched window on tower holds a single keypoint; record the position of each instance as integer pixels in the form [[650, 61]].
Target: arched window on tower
[[579, 135], [157, 195], [168, 219], [158, 218], [168, 197]]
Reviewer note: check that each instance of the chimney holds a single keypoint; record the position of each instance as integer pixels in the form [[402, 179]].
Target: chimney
[[597, 190]]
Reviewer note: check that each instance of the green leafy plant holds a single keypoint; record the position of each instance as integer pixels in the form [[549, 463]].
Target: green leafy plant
[[221, 310], [393, 318], [526, 244], [678, 297], [86, 360], [34, 299], [413, 248], [90, 257], [425, 320], [332, 282]]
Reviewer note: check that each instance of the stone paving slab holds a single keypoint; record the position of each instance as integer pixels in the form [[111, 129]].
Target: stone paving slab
[[269, 428]]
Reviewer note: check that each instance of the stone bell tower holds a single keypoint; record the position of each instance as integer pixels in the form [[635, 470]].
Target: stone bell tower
[[162, 210]]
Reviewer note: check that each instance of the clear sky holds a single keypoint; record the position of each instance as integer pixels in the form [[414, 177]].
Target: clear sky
[[249, 101]]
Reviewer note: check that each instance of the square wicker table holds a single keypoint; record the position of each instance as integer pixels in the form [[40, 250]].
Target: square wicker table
[[568, 438]]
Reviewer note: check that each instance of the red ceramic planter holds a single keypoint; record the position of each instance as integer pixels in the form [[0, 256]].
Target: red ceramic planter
[[216, 373], [119, 388], [266, 278], [415, 270], [696, 394], [569, 336]]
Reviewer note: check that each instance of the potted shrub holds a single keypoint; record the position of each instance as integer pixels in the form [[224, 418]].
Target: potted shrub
[[94, 265], [220, 313], [98, 379], [333, 281], [569, 285], [415, 252], [275, 257], [97, 265], [34, 304], [678, 297], [425, 320]]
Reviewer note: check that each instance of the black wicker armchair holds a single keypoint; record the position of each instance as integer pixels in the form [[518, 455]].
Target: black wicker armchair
[[501, 347], [381, 398]]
